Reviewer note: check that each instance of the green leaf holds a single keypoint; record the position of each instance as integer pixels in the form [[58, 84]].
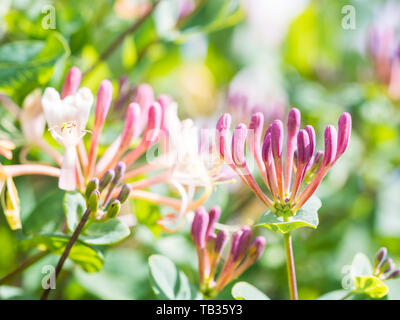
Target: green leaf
[[28, 63], [88, 258], [105, 233], [47, 216], [370, 285], [307, 216], [74, 205], [168, 282], [245, 291]]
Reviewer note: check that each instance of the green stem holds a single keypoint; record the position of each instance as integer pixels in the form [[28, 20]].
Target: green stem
[[290, 266], [25, 265], [68, 248], [347, 295]]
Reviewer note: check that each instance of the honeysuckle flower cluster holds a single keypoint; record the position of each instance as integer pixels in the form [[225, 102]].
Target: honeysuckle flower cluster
[[384, 267], [210, 246], [148, 121], [291, 174]]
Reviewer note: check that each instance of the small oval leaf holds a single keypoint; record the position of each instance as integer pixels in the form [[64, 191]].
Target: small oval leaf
[[245, 291]]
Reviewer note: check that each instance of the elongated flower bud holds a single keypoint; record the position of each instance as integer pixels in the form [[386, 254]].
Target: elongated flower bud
[[220, 241], [243, 244], [293, 123], [132, 119], [154, 123], [144, 95], [199, 227], [221, 142], [235, 242], [119, 172], [213, 217], [256, 249], [266, 149], [315, 163], [344, 125], [72, 82], [124, 193], [387, 265], [311, 135], [106, 179], [93, 202], [256, 124], [394, 274], [303, 148], [330, 146], [114, 209], [91, 186], [380, 256], [277, 138], [238, 144], [104, 97]]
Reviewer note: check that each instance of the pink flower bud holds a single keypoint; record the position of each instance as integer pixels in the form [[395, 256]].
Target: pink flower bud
[[257, 248], [132, 117], [266, 149], [277, 138], [293, 123], [344, 132], [214, 215], [303, 148], [235, 242], [238, 144], [72, 82], [311, 136], [154, 123], [144, 95], [222, 127], [104, 97], [199, 227], [242, 244], [256, 124], [330, 146], [220, 241]]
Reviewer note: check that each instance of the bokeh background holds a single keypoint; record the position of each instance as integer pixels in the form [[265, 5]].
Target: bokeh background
[[213, 57]]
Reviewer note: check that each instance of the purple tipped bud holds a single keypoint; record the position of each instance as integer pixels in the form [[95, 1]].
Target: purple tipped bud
[[257, 248], [394, 274], [238, 143], [311, 135], [344, 132], [220, 241], [235, 242], [330, 146], [92, 185], [119, 172], [303, 148], [242, 244], [266, 149], [293, 123], [124, 193], [114, 209], [199, 227], [387, 265], [213, 217], [380, 256], [277, 138], [106, 179], [93, 202]]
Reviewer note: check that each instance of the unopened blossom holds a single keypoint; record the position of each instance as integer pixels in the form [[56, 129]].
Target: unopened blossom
[[384, 267], [291, 172], [67, 119], [209, 245]]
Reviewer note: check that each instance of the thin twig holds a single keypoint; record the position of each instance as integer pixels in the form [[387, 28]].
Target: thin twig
[[25, 265], [117, 42], [68, 248]]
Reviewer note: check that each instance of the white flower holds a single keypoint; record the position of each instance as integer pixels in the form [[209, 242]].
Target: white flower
[[67, 119]]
